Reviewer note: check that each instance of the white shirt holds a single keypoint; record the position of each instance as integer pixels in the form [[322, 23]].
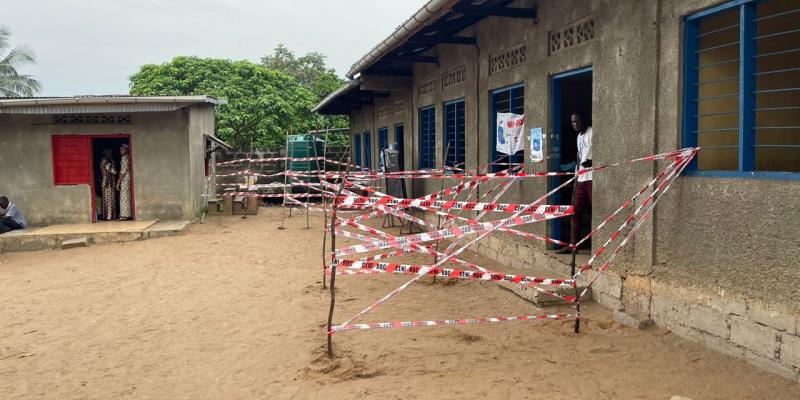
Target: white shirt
[[15, 215], [584, 153]]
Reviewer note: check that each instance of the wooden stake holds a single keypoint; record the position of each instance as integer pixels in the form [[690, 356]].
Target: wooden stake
[[333, 265]]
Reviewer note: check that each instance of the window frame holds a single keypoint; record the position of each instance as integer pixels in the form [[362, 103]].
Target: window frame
[[460, 159], [493, 124], [367, 143], [431, 141], [746, 89], [357, 149]]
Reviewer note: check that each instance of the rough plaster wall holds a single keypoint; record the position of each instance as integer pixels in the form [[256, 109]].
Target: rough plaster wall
[[27, 175], [160, 167], [201, 122]]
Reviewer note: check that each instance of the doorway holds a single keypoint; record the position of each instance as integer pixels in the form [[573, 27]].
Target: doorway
[[114, 144], [571, 91]]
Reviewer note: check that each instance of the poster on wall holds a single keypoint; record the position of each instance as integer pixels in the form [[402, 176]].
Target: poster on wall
[[537, 144], [509, 133]]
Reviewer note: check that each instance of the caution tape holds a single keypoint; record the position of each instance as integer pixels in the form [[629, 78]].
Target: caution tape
[[542, 213], [414, 269], [466, 321]]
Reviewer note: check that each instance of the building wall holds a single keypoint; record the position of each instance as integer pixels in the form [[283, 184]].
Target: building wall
[[164, 186], [717, 263], [201, 122]]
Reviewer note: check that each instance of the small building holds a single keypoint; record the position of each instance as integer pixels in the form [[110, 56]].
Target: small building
[[717, 263], [50, 149]]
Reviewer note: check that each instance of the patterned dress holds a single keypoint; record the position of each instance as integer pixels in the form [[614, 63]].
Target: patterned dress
[[108, 171], [125, 187]]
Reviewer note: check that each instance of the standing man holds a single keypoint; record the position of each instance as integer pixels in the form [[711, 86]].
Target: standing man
[[582, 192], [11, 217]]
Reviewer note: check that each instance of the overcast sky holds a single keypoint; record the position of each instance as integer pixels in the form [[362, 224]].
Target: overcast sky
[[93, 46]]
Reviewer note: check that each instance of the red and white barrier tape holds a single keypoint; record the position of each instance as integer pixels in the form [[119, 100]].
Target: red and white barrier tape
[[466, 321], [413, 269]]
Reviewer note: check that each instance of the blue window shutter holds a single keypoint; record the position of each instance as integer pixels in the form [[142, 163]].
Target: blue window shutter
[[427, 138], [506, 100], [357, 149], [367, 150], [454, 144], [400, 143]]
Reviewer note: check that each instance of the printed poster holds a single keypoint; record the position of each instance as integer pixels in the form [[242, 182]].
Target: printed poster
[[509, 133]]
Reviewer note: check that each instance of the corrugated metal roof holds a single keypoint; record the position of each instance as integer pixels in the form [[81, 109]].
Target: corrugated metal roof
[[100, 104]]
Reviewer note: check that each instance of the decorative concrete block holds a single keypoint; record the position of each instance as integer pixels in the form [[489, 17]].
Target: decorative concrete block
[[754, 336], [708, 320], [790, 349], [775, 319]]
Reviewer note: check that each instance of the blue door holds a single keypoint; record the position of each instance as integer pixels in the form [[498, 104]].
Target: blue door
[[571, 91]]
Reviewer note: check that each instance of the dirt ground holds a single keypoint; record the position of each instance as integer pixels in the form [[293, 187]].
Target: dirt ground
[[234, 310]]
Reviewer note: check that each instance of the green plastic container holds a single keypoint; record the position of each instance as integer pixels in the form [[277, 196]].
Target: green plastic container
[[302, 146]]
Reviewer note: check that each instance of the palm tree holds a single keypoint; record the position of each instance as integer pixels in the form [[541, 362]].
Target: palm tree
[[12, 84]]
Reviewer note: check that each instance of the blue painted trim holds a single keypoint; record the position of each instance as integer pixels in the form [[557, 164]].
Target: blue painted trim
[[573, 72], [690, 87], [765, 175], [747, 85], [717, 9], [503, 89]]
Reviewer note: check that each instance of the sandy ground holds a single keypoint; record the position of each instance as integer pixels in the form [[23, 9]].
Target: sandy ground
[[234, 310]]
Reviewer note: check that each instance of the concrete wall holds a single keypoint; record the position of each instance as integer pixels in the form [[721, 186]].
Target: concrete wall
[[717, 263], [167, 170]]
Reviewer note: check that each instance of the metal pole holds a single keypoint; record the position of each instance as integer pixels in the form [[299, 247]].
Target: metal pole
[[285, 179]]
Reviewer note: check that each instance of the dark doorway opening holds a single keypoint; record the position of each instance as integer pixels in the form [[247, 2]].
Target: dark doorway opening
[[571, 91], [113, 143]]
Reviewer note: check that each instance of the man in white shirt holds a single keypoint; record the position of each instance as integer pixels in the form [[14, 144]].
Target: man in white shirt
[[582, 191], [11, 217]]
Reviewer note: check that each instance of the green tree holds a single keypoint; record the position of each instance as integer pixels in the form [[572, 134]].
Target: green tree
[[263, 104], [12, 83], [312, 72]]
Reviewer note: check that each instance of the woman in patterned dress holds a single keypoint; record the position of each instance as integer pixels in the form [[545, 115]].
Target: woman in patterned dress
[[107, 171], [124, 183]]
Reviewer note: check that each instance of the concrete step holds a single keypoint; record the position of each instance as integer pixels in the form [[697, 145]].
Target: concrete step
[[543, 299]]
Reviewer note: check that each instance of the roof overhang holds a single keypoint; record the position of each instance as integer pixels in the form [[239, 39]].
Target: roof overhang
[[437, 22], [101, 104]]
